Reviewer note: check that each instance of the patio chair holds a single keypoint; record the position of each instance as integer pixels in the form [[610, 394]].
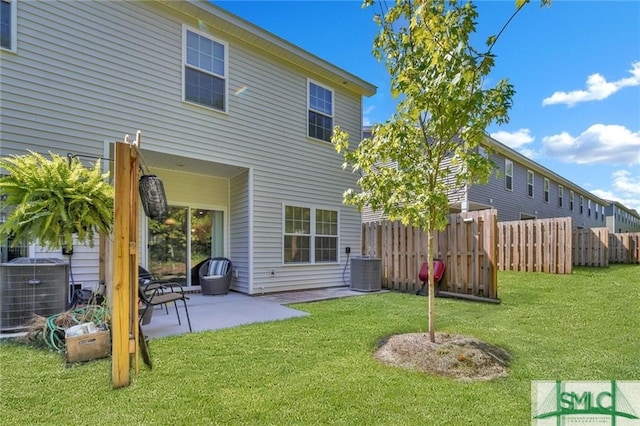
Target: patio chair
[[161, 295], [215, 276], [153, 286]]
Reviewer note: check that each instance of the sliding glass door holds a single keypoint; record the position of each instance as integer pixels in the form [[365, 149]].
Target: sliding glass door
[[189, 236]]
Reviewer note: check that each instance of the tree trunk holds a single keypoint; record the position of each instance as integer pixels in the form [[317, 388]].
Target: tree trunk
[[432, 289]]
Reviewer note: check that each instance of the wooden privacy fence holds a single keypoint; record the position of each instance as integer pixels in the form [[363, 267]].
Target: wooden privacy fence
[[552, 246], [542, 245], [590, 247], [624, 248], [467, 247]]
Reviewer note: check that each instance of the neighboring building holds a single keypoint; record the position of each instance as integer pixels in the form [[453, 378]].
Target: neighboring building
[[235, 120], [621, 218], [523, 189]]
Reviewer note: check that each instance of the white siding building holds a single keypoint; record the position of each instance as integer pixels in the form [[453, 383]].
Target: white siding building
[[234, 119]]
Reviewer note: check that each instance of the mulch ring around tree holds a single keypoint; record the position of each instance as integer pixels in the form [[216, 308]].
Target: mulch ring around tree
[[452, 355]]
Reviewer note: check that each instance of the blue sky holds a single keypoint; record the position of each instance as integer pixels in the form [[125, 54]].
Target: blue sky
[[575, 67]]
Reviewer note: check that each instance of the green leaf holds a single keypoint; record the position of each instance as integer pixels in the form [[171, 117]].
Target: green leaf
[[51, 200]]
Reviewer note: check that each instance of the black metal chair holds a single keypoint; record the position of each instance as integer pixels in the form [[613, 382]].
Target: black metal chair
[[155, 292]]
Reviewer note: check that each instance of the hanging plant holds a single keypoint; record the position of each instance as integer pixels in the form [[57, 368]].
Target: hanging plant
[[54, 199]]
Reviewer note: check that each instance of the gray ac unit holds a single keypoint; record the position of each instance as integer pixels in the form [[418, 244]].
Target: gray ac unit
[[366, 274], [32, 286]]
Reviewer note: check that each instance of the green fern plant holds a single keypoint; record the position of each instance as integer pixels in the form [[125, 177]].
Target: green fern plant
[[51, 200]]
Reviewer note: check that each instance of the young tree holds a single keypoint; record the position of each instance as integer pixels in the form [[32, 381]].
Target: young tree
[[441, 117]]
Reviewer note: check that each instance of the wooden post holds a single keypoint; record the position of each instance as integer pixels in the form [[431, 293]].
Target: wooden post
[[124, 330], [134, 329]]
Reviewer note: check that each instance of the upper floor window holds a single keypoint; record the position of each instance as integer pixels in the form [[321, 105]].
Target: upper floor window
[[320, 112], [530, 179], [602, 213], [596, 210], [581, 204], [8, 28], [571, 199], [560, 195], [483, 152], [508, 175], [205, 70], [589, 208], [546, 190], [310, 235]]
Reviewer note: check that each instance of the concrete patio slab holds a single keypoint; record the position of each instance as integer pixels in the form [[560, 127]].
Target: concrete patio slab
[[216, 312], [233, 309]]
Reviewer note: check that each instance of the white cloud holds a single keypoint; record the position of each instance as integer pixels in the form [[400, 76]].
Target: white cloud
[[599, 144], [515, 139], [630, 202], [625, 189], [598, 88], [625, 182]]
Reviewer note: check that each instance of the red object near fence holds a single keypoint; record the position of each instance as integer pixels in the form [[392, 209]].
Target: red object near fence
[[438, 268], [438, 273]]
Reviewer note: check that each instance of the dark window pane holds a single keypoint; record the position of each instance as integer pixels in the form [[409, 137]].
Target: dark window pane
[[297, 249], [204, 89], [326, 249], [5, 24], [320, 126]]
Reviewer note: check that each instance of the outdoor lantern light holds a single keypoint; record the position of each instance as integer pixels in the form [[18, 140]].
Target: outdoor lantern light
[[154, 200]]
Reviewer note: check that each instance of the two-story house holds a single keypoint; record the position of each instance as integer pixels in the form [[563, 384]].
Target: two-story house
[[235, 120], [522, 189]]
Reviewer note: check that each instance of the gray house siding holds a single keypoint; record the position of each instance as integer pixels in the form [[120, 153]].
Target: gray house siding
[[516, 204], [89, 72], [240, 231]]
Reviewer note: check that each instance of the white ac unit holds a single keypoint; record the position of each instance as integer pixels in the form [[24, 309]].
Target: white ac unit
[[366, 274]]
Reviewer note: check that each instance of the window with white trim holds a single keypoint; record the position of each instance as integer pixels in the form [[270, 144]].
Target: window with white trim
[[571, 199], [581, 204], [530, 180], [589, 208], [602, 214], [508, 175], [320, 112], [596, 210], [8, 24], [546, 190], [205, 70], [310, 235], [560, 195]]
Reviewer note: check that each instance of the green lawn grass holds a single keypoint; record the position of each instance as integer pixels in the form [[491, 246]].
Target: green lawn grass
[[320, 369]]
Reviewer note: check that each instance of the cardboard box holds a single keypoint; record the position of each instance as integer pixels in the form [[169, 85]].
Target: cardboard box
[[88, 346]]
